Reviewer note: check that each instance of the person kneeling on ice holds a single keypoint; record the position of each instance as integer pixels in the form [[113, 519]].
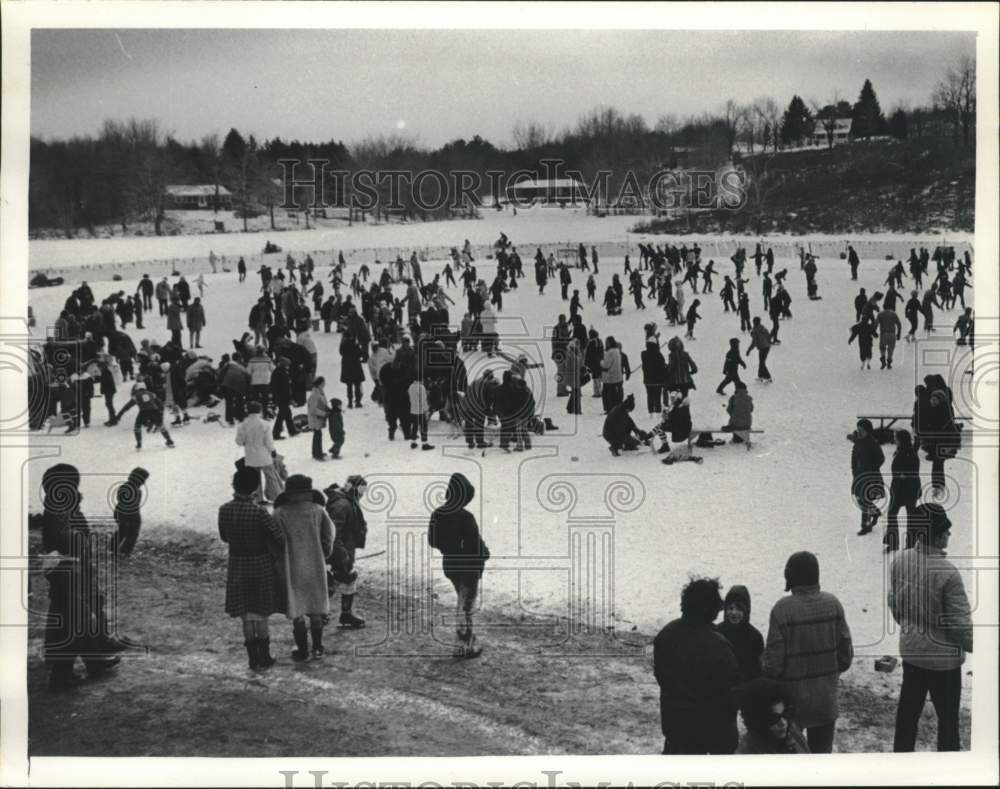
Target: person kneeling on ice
[[766, 714], [252, 591], [679, 422], [150, 414], [308, 533], [453, 531], [740, 410], [351, 532], [619, 428]]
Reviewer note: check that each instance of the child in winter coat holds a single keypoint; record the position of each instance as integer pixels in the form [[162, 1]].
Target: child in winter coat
[[692, 318], [731, 367], [419, 414], [748, 643], [679, 422], [127, 510], [335, 421]]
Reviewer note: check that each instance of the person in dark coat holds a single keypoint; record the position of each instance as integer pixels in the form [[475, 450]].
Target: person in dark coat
[[937, 432], [867, 485], [127, 514], [680, 367], [731, 367], [766, 713], [396, 377], [77, 624], [281, 395], [350, 533], [352, 371], [619, 428], [747, 641], [904, 489], [864, 331], [252, 589], [454, 532], [697, 670], [654, 374]]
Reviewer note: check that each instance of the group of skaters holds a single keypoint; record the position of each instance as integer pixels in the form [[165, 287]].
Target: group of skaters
[[876, 316], [785, 685]]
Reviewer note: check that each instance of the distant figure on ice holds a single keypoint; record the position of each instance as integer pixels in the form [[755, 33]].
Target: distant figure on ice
[[867, 485]]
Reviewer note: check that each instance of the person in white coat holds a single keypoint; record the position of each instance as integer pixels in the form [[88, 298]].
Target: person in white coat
[[254, 435]]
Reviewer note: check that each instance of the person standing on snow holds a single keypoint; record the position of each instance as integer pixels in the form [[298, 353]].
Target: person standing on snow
[[343, 504], [150, 414], [454, 532]]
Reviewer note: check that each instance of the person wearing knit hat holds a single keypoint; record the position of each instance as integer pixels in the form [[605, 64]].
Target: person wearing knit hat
[[300, 515], [808, 647], [748, 643], [128, 502]]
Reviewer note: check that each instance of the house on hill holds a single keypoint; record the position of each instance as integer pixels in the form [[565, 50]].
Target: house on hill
[[547, 190], [190, 197], [841, 133]]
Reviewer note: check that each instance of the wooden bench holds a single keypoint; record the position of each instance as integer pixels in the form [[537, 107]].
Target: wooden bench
[[886, 421], [744, 434]]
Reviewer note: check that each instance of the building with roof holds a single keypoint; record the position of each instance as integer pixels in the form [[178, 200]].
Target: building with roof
[[841, 133], [198, 196], [547, 190]]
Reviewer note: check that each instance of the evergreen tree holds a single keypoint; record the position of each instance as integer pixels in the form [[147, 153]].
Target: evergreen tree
[[899, 124], [867, 118], [797, 123]]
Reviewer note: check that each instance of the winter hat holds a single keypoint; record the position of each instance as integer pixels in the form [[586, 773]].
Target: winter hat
[[935, 516], [740, 596], [801, 569], [336, 404], [296, 486], [138, 475], [866, 425], [629, 402], [356, 481]]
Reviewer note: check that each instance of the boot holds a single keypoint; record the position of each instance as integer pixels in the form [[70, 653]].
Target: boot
[[317, 642], [253, 656], [301, 652], [264, 658], [347, 617]]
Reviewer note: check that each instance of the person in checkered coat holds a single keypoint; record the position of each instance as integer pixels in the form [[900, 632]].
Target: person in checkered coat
[[253, 591]]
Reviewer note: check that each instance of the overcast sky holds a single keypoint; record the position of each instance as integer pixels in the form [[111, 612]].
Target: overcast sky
[[435, 86]]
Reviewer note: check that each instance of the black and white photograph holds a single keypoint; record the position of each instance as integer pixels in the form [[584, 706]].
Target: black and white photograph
[[457, 380]]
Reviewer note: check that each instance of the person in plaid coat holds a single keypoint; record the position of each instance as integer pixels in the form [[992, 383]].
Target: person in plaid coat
[[252, 590]]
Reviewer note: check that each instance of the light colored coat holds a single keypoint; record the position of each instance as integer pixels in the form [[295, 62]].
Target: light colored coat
[[317, 409], [308, 534], [254, 435], [418, 398], [612, 366], [928, 601]]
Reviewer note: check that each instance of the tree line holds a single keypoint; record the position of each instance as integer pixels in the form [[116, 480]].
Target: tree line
[[119, 177]]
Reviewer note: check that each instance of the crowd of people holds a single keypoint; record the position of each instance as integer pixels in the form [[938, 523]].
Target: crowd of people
[[292, 547]]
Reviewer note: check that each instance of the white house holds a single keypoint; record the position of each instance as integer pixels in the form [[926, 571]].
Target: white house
[[552, 190], [195, 196], [841, 132]]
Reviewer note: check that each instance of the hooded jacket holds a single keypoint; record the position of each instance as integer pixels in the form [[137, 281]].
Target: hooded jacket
[[454, 532], [747, 641]]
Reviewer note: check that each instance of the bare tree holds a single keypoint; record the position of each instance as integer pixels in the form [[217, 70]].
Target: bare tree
[[956, 93], [732, 116], [530, 135], [667, 124], [211, 149], [760, 182], [826, 117], [768, 115]]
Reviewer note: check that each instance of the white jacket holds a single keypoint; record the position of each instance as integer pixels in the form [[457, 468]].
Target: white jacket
[[254, 435]]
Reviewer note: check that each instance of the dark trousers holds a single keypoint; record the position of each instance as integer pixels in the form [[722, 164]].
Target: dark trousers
[[85, 409], [573, 403], [109, 403], [394, 418], [128, 534], [317, 445], [175, 336], [892, 520], [283, 417], [507, 429], [564, 288], [654, 398], [729, 379], [354, 393], [415, 423], [235, 406], [474, 430], [820, 738], [163, 306], [945, 688], [612, 395], [688, 741], [774, 328], [762, 371]]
